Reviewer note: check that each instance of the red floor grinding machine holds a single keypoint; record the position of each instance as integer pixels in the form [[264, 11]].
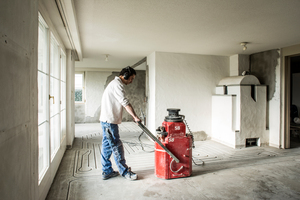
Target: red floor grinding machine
[[173, 147]]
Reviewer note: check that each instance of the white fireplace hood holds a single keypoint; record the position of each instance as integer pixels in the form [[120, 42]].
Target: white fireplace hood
[[240, 80]]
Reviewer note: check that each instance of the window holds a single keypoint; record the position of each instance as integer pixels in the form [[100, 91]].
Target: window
[[51, 98], [43, 90], [63, 96], [55, 71], [79, 88]]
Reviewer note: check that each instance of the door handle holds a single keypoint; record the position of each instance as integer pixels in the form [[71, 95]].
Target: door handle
[[51, 97]]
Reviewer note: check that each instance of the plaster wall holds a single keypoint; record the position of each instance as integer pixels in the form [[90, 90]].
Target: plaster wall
[[187, 81], [266, 67], [151, 92], [19, 99]]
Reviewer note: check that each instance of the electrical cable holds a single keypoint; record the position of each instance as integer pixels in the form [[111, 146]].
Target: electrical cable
[[191, 133], [139, 143], [142, 143], [196, 163]]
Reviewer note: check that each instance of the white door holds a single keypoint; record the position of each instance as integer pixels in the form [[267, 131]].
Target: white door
[[54, 96], [52, 99], [43, 102]]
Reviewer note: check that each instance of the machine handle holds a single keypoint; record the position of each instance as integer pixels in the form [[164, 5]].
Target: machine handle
[[173, 170], [157, 141]]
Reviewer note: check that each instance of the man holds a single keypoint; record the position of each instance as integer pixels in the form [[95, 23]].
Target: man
[[113, 101]]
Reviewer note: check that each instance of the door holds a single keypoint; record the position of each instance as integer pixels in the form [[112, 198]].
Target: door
[[43, 103], [54, 96], [52, 105]]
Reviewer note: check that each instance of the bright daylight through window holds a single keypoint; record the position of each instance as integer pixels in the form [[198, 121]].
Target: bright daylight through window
[[79, 87]]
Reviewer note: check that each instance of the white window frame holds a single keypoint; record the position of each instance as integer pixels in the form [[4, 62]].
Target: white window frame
[[46, 122]]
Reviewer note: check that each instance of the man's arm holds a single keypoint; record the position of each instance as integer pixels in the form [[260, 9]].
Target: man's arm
[[130, 110]]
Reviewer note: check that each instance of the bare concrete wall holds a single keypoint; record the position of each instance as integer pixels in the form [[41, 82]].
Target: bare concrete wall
[[19, 99], [79, 113], [263, 66]]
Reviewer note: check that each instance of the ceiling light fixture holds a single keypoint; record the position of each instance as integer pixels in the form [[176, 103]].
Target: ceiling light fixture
[[106, 57], [244, 44]]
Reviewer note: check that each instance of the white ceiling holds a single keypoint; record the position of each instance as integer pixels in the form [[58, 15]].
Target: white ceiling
[[129, 30]]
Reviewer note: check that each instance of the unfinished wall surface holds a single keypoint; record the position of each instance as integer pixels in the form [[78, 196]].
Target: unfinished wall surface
[[266, 67], [19, 99], [79, 113], [263, 66], [186, 81]]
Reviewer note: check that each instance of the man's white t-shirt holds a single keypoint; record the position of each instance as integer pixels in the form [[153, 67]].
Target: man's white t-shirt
[[113, 101]]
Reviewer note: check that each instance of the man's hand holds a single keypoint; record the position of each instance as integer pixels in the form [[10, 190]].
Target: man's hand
[[136, 119], [130, 110]]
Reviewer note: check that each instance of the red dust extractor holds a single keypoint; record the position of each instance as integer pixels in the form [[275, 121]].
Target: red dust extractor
[[173, 147]]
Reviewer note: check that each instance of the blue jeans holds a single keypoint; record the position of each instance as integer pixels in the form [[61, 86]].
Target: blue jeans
[[111, 143]]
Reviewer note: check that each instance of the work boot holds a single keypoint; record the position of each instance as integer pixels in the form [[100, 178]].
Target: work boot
[[130, 175], [107, 176]]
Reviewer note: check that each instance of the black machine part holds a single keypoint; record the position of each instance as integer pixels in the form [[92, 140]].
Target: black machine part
[[174, 115], [157, 141], [161, 131]]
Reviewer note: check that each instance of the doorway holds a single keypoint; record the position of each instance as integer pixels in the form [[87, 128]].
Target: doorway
[[294, 101]]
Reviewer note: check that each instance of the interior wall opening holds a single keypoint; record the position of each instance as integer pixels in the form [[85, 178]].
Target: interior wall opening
[[294, 101]]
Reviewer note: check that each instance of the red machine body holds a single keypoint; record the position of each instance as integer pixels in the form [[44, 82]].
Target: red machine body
[[179, 143]]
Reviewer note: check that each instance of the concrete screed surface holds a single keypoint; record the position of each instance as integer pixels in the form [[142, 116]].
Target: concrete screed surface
[[247, 173]]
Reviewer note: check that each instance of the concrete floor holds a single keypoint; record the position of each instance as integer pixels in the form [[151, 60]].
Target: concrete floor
[[248, 173]]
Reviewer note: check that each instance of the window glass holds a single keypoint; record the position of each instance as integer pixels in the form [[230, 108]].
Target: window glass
[[54, 58], [43, 106], [78, 87]]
